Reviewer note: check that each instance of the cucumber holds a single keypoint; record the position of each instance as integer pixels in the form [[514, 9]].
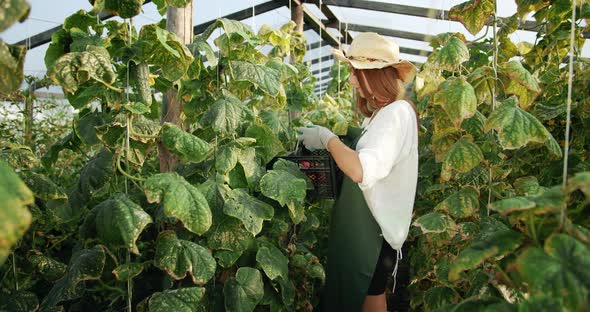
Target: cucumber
[[142, 83]]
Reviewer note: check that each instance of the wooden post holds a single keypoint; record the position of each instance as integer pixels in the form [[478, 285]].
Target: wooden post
[[180, 22]]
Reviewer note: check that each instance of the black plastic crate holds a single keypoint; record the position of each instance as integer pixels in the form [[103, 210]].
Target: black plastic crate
[[321, 169]]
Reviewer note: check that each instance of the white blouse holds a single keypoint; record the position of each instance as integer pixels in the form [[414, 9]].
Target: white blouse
[[388, 151]]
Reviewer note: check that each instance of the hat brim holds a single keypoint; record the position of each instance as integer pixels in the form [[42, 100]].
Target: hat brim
[[406, 70]]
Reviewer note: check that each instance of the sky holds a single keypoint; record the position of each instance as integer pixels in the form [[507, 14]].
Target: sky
[[46, 14]]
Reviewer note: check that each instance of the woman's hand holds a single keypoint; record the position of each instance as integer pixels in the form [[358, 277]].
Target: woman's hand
[[315, 137]]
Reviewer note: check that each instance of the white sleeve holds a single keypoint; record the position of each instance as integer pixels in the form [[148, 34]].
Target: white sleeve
[[383, 145]]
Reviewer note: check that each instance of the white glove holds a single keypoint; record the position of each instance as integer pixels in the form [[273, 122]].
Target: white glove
[[315, 137]]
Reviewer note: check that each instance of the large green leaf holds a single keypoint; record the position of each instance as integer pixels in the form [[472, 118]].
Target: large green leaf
[[12, 11], [262, 77], [453, 53], [463, 156], [435, 222], [182, 143], [250, 162], [85, 124], [457, 98], [462, 204], [164, 50], [15, 218], [177, 257], [249, 209], [561, 271], [179, 300], [293, 169], [496, 244], [517, 128], [518, 81], [527, 185], [437, 297], [76, 68], [180, 200], [201, 45], [226, 158], [122, 8], [224, 116], [482, 79], [287, 190], [581, 181], [231, 27], [96, 174], [43, 187], [118, 221], [230, 238], [245, 291], [85, 265], [12, 58], [266, 141], [127, 271], [19, 301], [472, 14], [272, 261]]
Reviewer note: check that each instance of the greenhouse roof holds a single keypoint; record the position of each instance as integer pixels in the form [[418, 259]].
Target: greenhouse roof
[[411, 23]]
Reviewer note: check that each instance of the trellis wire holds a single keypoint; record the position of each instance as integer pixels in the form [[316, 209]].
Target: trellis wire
[[320, 48], [569, 109]]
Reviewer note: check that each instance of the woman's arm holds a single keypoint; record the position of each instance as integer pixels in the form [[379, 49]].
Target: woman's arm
[[347, 159]]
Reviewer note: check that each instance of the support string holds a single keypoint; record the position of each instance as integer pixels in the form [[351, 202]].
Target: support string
[[569, 108]]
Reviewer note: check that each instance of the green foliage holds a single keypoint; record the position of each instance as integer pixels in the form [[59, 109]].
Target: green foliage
[[16, 218], [473, 14]]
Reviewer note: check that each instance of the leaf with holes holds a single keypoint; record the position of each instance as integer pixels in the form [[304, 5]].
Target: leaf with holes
[[73, 69], [225, 115], [457, 97], [184, 144], [260, 76], [496, 245], [182, 300], [435, 222], [245, 291], [250, 210], [561, 271], [180, 200], [123, 9], [273, 262], [250, 162], [472, 14], [117, 221], [517, 128], [178, 257], [452, 54], [85, 265], [518, 81], [15, 218], [463, 156], [462, 204]]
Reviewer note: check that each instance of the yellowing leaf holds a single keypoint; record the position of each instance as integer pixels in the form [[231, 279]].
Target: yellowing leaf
[[473, 14]]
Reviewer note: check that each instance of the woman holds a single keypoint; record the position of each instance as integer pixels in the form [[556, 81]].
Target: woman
[[372, 215]]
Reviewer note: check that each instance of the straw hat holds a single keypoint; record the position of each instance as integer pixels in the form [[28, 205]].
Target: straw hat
[[370, 50]]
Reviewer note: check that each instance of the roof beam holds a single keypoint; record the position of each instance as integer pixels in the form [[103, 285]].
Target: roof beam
[[408, 10], [318, 26], [245, 13], [391, 32]]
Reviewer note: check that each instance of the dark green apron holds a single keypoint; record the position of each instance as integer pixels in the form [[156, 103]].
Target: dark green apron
[[353, 247]]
